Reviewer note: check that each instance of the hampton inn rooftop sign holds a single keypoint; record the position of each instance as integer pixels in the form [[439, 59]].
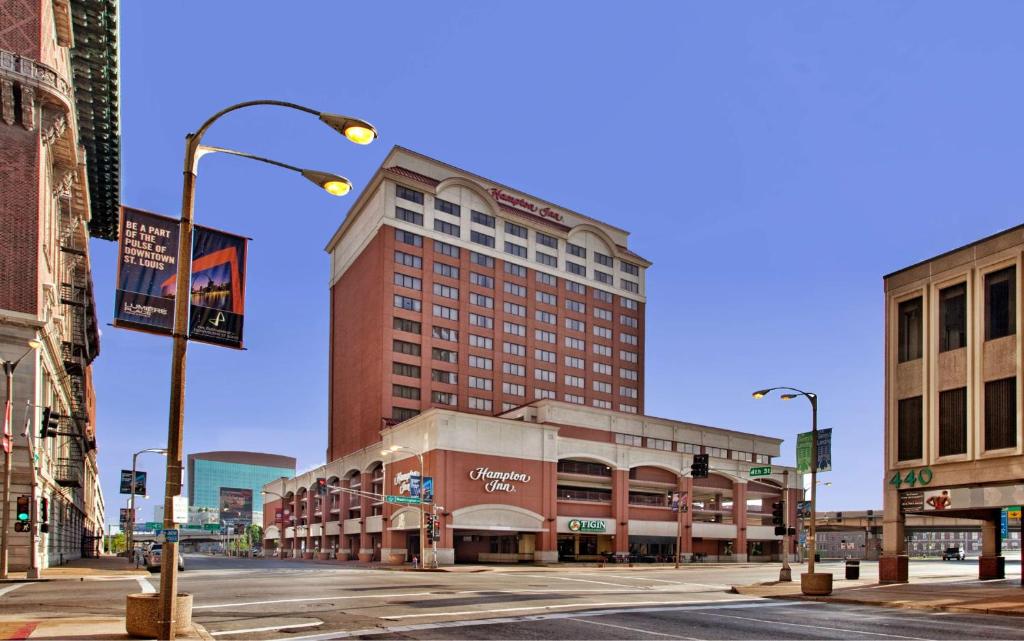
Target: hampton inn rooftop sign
[[522, 203], [498, 481]]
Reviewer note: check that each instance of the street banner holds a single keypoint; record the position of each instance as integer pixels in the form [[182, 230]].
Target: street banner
[[8, 436], [1004, 524], [147, 277], [675, 501], [803, 509], [140, 482], [428, 489], [235, 506], [414, 484], [803, 451]]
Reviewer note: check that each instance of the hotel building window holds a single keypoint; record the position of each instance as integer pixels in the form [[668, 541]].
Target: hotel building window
[[447, 228], [539, 393], [575, 268], [544, 337], [484, 404], [629, 439], [481, 301], [508, 407], [603, 314], [544, 355], [629, 268], [441, 376], [444, 248], [1001, 414], [575, 306], [514, 309], [546, 259], [628, 303], [513, 369], [602, 368], [477, 382], [481, 259], [448, 208], [545, 317], [514, 290], [404, 391], [544, 375], [604, 278], [400, 414], [404, 302], [404, 347], [602, 296], [546, 279], [446, 292], [481, 238], [574, 362], [574, 398], [404, 369], [953, 422], [575, 343], [444, 398], [603, 387], [629, 285], [575, 325], [576, 250], [546, 298], [602, 350], [688, 448], [574, 381], [576, 288], [446, 355], [515, 270], [480, 362], [909, 330], [446, 270], [406, 325], [479, 320], [482, 342], [1000, 303], [514, 349], [408, 238], [516, 230], [628, 392], [717, 452], [445, 333], [628, 321], [602, 404], [514, 328], [409, 282], [481, 218], [513, 389], [547, 241], [603, 259], [628, 356], [628, 374], [659, 444], [908, 446], [409, 194], [628, 339], [953, 317], [481, 280], [409, 216], [408, 260], [602, 332], [515, 250], [448, 313]]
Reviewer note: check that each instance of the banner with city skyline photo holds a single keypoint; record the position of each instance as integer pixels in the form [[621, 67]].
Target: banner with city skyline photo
[[218, 287], [235, 506]]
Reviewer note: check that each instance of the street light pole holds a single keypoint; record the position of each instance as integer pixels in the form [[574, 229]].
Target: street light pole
[[423, 512], [130, 535], [357, 131], [8, 447]]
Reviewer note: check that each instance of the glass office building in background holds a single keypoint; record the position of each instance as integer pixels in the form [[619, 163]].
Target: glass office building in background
[[216, 477]]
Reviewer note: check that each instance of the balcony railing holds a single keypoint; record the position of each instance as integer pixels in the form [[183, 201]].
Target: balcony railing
[[68, 472]]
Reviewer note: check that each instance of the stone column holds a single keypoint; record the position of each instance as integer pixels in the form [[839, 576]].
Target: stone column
[[991, 565], [739, 517], [307, 552], [894, 564], [547, 548], [365, 543], [620, 510]]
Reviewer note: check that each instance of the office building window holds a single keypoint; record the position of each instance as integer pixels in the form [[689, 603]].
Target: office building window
[[447, 355], [515, 230], [441, 376], [481, 301], [628, 374], [544, 337], [515, 250], [408, 260], [515, 349], [602, 332], [1000, 303], [514, 309], [404, 391], [545, 317], [909, 339], [404, 347], [513, 369], [628, 356], [444, 248], [602, 350], [575, 325], [409, 216], [514, 328], [447, 228], [1001, 414], [513, 389], [406, 325], [446, 291], [574, 362], [408, 238], [576, 250], [908, 429], [481, 280], [409, 194], [404, 302], [481, 362], [482, 342], [514, 290], [953, 317], [546, 298], [481, 238], [602, 368], [444, 398], [515, 270], [546, 259], [479, 320], [575, 343], [446, 270], [953, 422], [481, 259], [447, 313], [409, 282], [544, 355], [481, 218], [575, 268], [445, 333], [446, 207], [404, 369]]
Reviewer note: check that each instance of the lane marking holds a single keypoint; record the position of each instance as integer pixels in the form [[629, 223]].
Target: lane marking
[[816, 627], [623, 627], [11, 588], [267, 629], [145, 585], [396, 617], [734, 604], [320, 598], [565, 578]]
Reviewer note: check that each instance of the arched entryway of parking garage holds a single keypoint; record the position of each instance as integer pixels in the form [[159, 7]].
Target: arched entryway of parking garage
[[494, 533]]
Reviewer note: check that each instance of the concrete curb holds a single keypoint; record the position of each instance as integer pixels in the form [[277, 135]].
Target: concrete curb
[[958, 609]]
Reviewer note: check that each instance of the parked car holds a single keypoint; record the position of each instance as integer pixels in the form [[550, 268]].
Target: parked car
[[954, 554], [153, 558]]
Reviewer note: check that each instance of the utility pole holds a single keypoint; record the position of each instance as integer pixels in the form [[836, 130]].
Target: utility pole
[[786, 573]]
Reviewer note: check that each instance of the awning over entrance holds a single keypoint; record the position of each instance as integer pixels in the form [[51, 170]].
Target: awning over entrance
[[497, 518]]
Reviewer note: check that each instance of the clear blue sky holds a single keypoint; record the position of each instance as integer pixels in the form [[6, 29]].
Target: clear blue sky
[[773, 160]]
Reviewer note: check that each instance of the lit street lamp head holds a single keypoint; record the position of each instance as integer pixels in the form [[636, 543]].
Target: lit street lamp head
[[356, 130], [787, 397], [331, 183], [761, 393], [35, 343]]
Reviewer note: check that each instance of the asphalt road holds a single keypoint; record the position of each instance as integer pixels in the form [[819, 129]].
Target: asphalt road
[[269, 599]]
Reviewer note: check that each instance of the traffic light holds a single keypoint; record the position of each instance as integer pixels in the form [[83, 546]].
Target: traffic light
[[44, 514], [50, 424], [433, 528], [779, 517], [321, 486], [700, 466], [22, 516]]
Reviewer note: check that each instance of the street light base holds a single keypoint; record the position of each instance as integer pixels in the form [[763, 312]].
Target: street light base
[[816, 584], [32, 573], [785, 575]]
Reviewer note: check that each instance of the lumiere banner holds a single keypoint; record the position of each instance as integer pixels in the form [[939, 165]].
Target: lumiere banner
[[147, 276]]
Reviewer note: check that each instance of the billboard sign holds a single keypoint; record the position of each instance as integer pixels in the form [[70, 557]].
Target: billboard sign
[[912, 501], [235, 506], [126, 482], [147, 277]]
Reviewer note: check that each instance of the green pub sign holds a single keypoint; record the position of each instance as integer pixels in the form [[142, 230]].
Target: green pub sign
[[586, 525]]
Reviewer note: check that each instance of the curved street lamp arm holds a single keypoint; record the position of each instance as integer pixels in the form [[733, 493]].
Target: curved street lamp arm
[[202, 150], [241, 105]]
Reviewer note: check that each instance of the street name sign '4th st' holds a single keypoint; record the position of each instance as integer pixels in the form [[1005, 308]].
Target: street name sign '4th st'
[[761, 471], [402, 499]]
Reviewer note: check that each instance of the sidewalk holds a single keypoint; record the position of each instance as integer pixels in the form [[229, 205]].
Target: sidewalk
[[969, 596], [80, 627], [81, 568]]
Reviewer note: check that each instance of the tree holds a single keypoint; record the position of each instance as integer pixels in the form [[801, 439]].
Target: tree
[[255, 535], [116, 543]]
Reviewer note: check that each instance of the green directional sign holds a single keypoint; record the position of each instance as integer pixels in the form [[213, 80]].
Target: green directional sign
[[211, 527], [407, 500], [761, 471], [153, 526]]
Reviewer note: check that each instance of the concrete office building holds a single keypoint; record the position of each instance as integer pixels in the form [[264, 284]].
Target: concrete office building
[[953, 361]]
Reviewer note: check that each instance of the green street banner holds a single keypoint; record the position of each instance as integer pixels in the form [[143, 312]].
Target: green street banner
[[803, 451]]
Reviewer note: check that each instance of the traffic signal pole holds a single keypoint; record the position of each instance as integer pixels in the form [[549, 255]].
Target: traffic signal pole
[[786, 573]]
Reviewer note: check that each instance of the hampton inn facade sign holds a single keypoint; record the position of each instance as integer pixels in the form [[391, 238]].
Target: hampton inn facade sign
[[498, 481], [526, 205]]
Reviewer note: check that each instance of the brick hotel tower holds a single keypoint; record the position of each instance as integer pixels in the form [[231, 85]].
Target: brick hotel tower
[[451, 290]]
